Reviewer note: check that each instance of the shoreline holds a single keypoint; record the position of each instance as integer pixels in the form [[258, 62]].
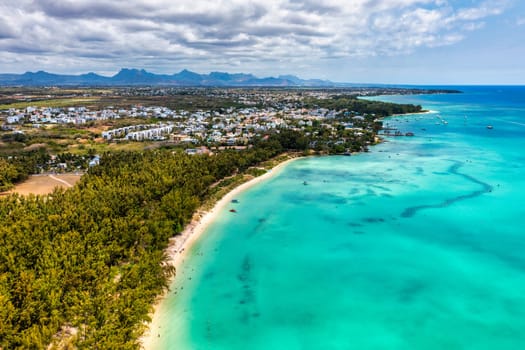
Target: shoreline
[[425, 111], [180, 244]]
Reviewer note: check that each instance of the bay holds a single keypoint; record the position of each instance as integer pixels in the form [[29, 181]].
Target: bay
[[418, 244]]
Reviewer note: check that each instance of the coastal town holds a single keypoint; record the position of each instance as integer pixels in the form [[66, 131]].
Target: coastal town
[[231, 127], [332, 121]]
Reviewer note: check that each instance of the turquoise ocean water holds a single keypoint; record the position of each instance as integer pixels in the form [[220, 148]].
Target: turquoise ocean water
[[418, 244]]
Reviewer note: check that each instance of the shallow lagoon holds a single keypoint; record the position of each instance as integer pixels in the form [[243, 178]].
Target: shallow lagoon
[[416, 245]]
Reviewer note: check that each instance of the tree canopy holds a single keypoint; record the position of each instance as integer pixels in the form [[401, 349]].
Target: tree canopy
[[91, 257]]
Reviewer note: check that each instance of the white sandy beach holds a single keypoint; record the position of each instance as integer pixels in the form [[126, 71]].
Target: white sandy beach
[[181, 243]]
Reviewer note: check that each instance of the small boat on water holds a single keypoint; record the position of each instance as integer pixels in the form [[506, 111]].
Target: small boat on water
[[235, 201], [305, 183], [490, 127], [233, 211]]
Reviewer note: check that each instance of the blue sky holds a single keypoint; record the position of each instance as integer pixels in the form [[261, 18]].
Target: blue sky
[[362, 41]]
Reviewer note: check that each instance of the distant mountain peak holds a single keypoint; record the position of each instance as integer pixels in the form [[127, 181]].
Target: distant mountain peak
[[40, 72], [134, 76], [292, 78], [132, 71], [186, 72]]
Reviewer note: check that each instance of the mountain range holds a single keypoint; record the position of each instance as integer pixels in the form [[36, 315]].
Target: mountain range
[[129, 77]]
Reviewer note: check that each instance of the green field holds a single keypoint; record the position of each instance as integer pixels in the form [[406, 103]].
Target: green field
[[62, 102]]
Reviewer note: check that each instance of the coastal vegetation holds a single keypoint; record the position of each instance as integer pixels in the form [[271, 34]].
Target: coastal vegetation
[[80, 268], [90, 259], [353, 103]]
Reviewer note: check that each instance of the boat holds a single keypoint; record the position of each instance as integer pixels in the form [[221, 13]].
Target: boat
[[490, 127], [409, 133], [233, 211], [305, 183], [235, 201]]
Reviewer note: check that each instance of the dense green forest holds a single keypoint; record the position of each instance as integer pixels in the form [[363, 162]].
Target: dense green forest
[[90, 258], [352, 103]]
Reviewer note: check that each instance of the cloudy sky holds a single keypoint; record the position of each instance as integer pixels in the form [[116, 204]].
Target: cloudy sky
[[382, 41]]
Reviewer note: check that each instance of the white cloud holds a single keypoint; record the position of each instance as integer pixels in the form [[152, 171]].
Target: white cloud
[[168, 35], [483, 10]]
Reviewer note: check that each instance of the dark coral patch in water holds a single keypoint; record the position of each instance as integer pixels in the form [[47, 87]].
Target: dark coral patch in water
[[373, 220], [485, 188]]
